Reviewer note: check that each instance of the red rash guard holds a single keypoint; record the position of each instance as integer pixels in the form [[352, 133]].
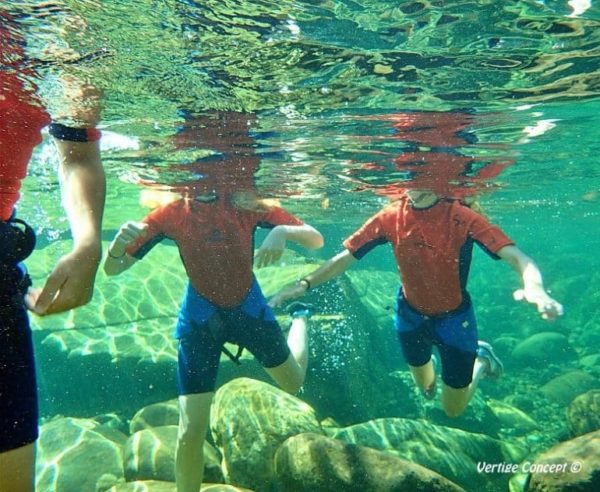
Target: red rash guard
[[432, 247], [215, 242], [22, 117], [21, 120]]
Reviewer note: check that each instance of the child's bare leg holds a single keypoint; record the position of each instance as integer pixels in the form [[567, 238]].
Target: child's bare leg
[[194, 415], [291, 374]]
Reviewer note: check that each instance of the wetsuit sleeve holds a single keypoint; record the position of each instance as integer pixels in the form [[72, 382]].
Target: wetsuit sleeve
[[488, 236], [278, 216], [371, 234], [63, 132], [155, 234]]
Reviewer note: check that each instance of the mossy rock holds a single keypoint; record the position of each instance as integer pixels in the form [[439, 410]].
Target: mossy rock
[[564, 388], [583, 414], [543, 348], [313, 462]]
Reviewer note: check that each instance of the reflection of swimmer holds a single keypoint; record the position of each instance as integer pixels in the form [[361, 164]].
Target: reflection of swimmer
[[432, 239], [213, 227], [71, 282], [433, 157]]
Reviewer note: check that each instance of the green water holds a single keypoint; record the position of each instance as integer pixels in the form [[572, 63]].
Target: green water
[[323, 79]]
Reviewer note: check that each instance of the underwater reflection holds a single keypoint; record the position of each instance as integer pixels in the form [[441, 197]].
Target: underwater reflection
[[437, 151]]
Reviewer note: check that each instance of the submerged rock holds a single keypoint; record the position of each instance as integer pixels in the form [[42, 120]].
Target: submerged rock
[[249, 421], [564, 388], [512, 418], [145, 486], [591, 361], [450, 452], [543, 348], [478, 417], [158, 486], [312, 462], [155, 415], [583, 414], [78, 454], [149, 454], [571, 466]]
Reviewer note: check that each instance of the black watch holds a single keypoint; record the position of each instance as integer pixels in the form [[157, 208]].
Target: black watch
[[305, 282]]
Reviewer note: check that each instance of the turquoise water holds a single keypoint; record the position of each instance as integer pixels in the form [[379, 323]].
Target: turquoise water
[[326, 82]]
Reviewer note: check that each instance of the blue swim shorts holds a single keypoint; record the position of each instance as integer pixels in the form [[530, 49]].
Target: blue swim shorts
[[454, 334], [203, 328]]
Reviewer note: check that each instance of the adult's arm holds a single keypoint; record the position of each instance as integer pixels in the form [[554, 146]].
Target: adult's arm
[[83, 189]]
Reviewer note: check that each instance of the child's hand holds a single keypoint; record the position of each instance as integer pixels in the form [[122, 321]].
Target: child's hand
[[290, 292], [272, 247], [548, 308], [127, 235]]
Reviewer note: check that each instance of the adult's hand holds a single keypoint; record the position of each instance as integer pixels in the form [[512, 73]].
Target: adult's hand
[[70, 284]]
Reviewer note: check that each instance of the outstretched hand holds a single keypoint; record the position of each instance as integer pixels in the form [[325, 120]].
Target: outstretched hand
[[128, 233], [271, 248], [70, 284], [548, 308], [289, 293]]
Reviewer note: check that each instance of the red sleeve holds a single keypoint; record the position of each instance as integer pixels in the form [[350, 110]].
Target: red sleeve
[[490, 237], [278, 216], [154, 233], [371, 234]]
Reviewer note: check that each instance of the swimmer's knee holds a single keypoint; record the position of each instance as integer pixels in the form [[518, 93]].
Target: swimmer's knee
[[292, 385], [454, 412]]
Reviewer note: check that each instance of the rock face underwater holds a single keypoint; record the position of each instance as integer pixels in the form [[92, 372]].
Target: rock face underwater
[[113, 426], [264, 439]]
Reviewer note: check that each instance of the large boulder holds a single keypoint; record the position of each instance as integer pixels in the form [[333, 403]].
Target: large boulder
[[155, 415], [78, 454], [513, 419], [144, 486], [590, 362], [354, 322], [450, 452], [478, 417], [313, 462], [583, 414], [543, 348], [571, 466], [149, 454], [249, 421], [159, 486], [564, 388]]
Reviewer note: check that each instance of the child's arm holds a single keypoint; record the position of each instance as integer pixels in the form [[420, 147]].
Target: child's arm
[[533, 288], [331, 268], [273, 245], [117, 260]]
